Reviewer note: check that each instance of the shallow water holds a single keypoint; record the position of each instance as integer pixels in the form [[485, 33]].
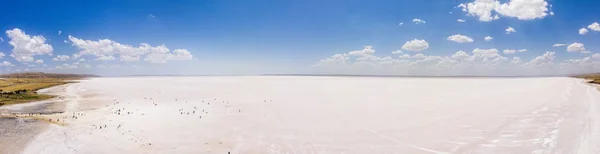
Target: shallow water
[[325, 115]]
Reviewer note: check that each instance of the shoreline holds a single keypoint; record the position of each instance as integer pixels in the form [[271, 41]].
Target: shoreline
[[19, 128]]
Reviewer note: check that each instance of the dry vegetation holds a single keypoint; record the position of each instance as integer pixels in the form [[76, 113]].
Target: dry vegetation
[[22, 87], [594, 78]]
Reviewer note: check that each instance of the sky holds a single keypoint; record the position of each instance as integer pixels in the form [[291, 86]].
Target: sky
[[355, 37]]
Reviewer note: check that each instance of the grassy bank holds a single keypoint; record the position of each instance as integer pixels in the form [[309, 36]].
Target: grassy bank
[[594, 78], [23, 90], [22, 87]]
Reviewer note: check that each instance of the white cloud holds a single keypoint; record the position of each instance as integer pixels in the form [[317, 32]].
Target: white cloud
[[545, 59], [129, 58], [415, 45], [106, 49], [66, 66], [419, 56], [151, 16], [460, 20], [1, 39], [368, 50], [81, 60], [485, 53], [26, 46], [510, 30], [524, 9], [59, 32], [481, 62], [460, 38], [39, 61], [61, 58], [516, 61], [418, 21], [488, 10], [106, 58], [74, 65], [2, 55], [594, 26], [162, 57], [509, 51], [481, 8], [488, 38], [583, 31], [404, 56], [6, 64], [401, 23], [460, 55], [576, 47], [334, 60], [559, 45], [397, 52]]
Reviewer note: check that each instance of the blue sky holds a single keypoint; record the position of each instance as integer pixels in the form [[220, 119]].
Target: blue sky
[[268, 36]]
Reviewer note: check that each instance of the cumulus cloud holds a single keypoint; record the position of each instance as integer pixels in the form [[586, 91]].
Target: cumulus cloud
[[106, 49], [39, 61], [460, 55], [61, 58], [6, 64], [401, 23], [576, 47], [66, 66], [583, 31], [415, 45], [477, 62], [594, 26], [488, 38], [510, 30], [404, 56], [59, 32], [368, 50], [2, 55], [26, 46], [129, 58], [509, 51], [418, 21], [460, 38], [397, 52], [335, 59], [460, 20], [489, 10], [559, 45], [419, 56], [516, 61], [545, 59], [106, 58], [74, 65]]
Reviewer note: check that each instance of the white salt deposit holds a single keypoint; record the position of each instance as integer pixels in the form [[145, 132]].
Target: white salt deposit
[[326, 115]]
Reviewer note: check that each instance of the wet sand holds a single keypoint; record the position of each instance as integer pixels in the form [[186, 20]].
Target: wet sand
[[17, 132]]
